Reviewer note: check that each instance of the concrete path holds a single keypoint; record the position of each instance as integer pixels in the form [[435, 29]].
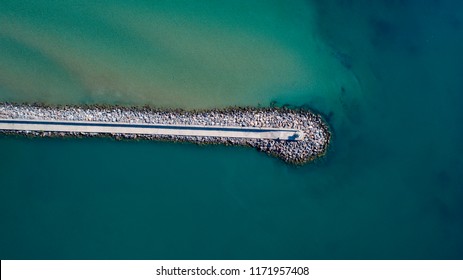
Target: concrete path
[[152, 129]]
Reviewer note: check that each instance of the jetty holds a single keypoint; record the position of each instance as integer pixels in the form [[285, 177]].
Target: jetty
[[295, 136]]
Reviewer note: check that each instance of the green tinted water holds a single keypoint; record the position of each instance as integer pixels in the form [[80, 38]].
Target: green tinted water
[[164, 53]]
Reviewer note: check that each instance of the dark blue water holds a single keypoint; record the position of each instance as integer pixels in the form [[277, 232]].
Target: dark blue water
[[386, 74]]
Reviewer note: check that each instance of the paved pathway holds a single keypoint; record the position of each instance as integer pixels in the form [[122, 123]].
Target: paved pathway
[[152, 129]]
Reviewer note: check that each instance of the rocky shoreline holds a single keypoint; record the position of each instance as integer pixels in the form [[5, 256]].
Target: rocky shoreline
[[314, 145]]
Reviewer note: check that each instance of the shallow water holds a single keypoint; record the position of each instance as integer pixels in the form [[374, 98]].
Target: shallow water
[[386, 76]]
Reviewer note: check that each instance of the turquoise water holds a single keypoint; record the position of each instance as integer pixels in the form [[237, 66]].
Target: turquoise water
[[387, 76]]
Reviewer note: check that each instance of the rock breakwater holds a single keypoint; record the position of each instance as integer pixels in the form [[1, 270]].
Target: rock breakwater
[[314, 144]]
